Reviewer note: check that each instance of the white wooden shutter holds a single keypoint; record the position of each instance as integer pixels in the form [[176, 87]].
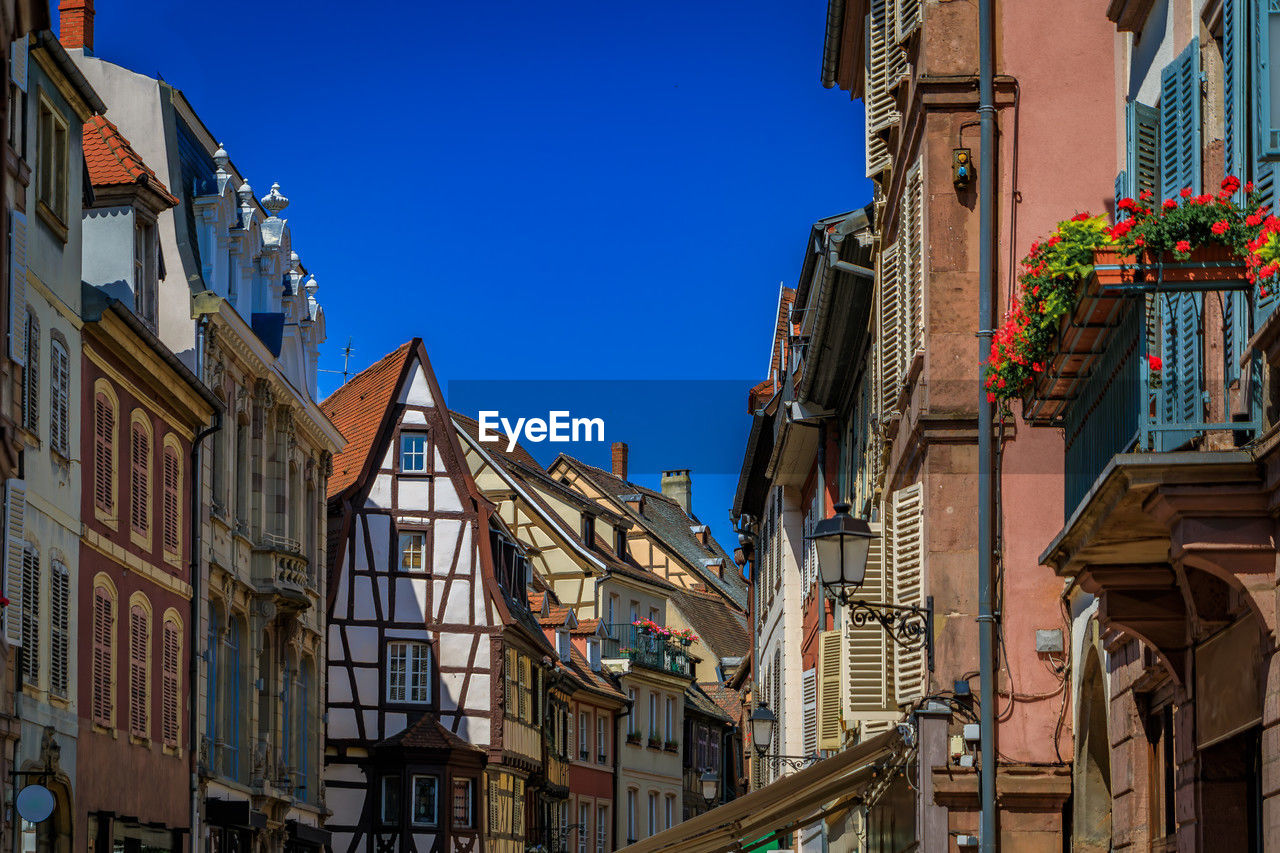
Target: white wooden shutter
[[15, 511], [890, 338], [17, 287], [866, 675], [881, 108], [908, 585], [810, 685], [830, 731], [906, 19], [18, 62], [911, 267]]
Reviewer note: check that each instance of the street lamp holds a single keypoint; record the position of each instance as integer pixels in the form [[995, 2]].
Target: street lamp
[[843, 544], [710, 787], [763, 723]]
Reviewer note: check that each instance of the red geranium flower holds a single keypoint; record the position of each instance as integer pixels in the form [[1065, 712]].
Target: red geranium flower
[[1248, 187], [1080, 217], [1220, 227], [1183, 246], [991, 398], [1186, 192], [1155, 362], [1126, 204], [1170, 204]]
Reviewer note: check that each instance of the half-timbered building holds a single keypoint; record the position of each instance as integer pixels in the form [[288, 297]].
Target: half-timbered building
[[431, 640]]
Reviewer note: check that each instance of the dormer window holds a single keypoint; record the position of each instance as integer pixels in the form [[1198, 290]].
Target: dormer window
[[589, 529], [414, 457]]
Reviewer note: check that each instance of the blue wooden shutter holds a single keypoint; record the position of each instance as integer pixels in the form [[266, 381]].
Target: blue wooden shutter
[[1180, 123], [1266, 121], [1180, 350], [1234, 303]]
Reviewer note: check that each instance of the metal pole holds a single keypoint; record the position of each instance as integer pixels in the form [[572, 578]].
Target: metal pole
[[986, 321]]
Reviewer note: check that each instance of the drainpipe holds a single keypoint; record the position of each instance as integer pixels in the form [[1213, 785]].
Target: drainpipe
[[618, 740], [193, 669], [986, 321]]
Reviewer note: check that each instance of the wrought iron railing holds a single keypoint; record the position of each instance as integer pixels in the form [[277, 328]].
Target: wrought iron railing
[[645, 648], [1151, 388]]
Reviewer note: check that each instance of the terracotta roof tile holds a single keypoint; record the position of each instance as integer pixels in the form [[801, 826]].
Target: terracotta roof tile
[[722, 629], [357, 410], [428, 733], [729, 700], [112, 162]]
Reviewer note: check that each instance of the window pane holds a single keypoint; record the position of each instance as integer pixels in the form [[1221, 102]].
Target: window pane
[[390, 799], [413, 452], [424, 800], [462, 802], [413, 550]]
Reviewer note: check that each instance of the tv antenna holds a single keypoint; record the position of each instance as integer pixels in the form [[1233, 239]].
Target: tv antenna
[[346, 363]]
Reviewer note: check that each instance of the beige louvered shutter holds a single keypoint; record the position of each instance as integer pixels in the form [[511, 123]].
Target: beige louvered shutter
[[881, 109], [890, 333], [15, 511], [809, 685], [139, 467], [830, 732], [59, 629], [911, 264], [18, 56], [906, 19], [866, 676], [31, 614], [103, 663], [139, 695], [170, 504], [171, 725], [908, 585], [17, 287], [104, 418]]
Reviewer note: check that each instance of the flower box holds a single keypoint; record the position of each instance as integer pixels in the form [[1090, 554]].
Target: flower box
[[1210, 263], [670, 746], [633, 737], [655, 743]]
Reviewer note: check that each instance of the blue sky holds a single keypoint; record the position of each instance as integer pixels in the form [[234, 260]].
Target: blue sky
[[541, 191]]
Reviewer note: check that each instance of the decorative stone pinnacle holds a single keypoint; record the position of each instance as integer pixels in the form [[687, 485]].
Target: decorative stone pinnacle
[[245, 193], [222, 158], [311, 287], [294, 261], [275, 201]]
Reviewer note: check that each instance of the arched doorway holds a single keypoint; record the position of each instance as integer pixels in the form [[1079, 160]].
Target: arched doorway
[[1091, 797]]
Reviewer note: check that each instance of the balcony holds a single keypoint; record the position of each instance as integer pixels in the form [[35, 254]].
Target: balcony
[[284, 571], [1149, 368], [647, 650]]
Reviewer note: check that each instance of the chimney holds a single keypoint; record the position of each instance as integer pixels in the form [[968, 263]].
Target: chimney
[[620, 460], [75, 27], [678, 486]]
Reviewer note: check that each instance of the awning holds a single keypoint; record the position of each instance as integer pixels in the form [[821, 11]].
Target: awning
[[791, 802], [232, 814]]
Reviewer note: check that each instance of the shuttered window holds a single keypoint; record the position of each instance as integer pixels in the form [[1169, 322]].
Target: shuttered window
[[17, 287], [809, 690], [907, 534], [170, 666], [103, 686], [911, 267], [30, 607], [31, 375], [906, 18], [1235, 329], [59, 628], [1266, 68], [891, 334], [1180, 123], [15, 513], [172, 501], [59, 397], [881, 67], [139, 477], [139, 677], [830, 654], [866, 670], [104, 426]]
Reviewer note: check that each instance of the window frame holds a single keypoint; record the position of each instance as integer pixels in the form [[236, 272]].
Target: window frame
[[394, 800], [52, 188], [468, 784], [410, 533], [425, 453], [427, 672], [435, 799]]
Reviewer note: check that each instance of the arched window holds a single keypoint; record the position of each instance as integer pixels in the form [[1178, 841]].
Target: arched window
[[104, 459], [59, 627], [140, 477], [59, 395], [104, 620], [171, 683], [172, 502], [139, 668], [232, 679], [31, 614]]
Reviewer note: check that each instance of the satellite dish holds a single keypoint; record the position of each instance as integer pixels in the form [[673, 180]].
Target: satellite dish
[[35, 803]]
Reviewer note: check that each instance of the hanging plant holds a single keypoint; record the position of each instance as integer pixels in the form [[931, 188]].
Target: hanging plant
[[1213, 228]]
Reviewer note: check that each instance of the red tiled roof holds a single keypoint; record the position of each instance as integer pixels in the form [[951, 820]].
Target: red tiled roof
[[357, 410], [586, 627], [556, 613], [428, 733], [112, 162], [729, 700]]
